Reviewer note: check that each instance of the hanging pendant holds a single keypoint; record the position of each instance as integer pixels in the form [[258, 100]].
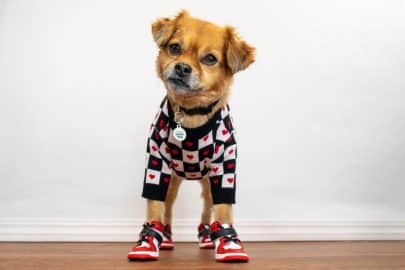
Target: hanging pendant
[[179, 133]]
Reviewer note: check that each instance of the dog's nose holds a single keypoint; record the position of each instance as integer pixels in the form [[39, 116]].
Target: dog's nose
[[182, 69]]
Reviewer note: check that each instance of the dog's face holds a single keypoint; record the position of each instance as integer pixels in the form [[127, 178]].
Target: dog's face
[[197, 59]]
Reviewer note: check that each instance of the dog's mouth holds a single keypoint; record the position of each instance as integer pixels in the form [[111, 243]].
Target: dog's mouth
[[178, 83]]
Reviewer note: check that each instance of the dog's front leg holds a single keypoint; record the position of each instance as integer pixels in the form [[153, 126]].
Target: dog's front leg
[[171, 195], [154, 210], [223, 213]]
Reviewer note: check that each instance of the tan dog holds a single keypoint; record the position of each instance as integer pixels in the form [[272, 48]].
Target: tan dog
[[196, 62]]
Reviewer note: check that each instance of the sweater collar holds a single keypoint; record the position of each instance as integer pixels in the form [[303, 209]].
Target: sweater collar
[[199, 110]]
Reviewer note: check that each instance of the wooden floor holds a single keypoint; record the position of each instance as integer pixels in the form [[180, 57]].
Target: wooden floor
[[272, 255]]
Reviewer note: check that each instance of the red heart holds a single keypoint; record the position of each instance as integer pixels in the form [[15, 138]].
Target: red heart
[[214, 169], [152, 176], [165, 128], [217, 148], [167, 149], [161, 123], [205, 138], [193, 175], [224, 131], [154, 148], [189, 144], [175, 151], [230, 151], [215, 181], [157, 136], [190, 156], [166, 179], [205, 152], [230, 165], [155, 162], [175, 164], [230, 180]]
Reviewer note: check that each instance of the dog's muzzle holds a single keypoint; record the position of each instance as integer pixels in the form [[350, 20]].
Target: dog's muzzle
[[181, 78]]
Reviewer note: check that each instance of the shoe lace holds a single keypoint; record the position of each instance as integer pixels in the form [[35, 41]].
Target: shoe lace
[[143, 233], [229, 238]]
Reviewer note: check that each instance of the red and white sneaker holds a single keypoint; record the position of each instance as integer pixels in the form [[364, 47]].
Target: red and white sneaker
[[150, 238], [167, 243], [228, 248], [204, 236]]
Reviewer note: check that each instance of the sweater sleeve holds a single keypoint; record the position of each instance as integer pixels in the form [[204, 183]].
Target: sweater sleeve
[[223, 166], [158, 160]]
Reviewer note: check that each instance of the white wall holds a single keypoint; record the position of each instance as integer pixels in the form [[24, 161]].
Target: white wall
[[320, 116]]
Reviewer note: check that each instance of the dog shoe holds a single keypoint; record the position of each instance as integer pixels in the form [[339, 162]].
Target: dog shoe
[[204, 236], [150, 239], [228, 248], [167, 243]]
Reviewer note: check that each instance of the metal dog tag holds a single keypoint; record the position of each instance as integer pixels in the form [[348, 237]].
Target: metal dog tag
[[179, 133]]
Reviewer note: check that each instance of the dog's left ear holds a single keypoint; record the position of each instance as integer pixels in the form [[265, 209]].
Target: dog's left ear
[[239, 54], [163, 28]]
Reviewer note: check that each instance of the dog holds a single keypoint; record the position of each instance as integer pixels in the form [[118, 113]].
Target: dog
[[192, 135]]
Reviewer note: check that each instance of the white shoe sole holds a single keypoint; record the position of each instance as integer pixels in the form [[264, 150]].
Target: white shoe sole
[[143, 255], [232, 257], [206, 245]]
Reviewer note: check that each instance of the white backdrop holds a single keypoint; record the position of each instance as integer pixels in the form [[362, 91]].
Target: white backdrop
[[320, 118]]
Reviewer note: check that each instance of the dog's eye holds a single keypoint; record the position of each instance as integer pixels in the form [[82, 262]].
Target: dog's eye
[[174, 49], [209, 60]]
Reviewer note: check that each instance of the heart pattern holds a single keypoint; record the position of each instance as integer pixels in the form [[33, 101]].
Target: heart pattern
[[212, 154], [155, 162], [230, 165], [189, 144]]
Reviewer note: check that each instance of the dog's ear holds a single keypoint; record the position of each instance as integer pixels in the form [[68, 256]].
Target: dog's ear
[[239, 54], [163, 28]]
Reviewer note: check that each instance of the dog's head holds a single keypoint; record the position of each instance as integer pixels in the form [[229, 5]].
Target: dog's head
[[197, 59]]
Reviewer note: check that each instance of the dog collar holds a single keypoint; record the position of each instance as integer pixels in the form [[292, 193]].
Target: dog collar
[[199, 110]]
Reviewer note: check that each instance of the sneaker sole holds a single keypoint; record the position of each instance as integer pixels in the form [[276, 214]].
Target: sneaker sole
[[166, 246], [143, 256], [232, 257], [206, 245]]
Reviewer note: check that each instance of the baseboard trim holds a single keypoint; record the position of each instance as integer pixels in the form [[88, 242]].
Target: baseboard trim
[[185, 230]]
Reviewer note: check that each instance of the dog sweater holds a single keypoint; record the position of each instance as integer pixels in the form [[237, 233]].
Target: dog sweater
[[208, 150]]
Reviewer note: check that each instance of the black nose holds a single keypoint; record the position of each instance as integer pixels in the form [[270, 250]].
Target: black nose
[[182, 70]]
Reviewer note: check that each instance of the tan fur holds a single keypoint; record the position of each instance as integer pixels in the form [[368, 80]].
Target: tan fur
[[171, 195], [198, 37]]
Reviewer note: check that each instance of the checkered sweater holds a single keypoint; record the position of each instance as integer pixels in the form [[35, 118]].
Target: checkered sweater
[[207, 150]]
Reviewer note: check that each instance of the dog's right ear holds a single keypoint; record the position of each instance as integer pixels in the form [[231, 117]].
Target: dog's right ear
[[163, 28]]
